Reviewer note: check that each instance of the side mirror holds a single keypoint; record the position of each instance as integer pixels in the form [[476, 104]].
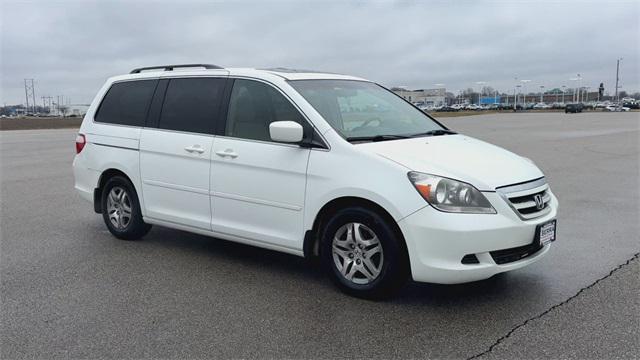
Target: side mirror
[[285, 131]]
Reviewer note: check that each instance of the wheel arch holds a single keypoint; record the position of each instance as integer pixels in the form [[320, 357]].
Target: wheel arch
[[102, 180], [312, 236]]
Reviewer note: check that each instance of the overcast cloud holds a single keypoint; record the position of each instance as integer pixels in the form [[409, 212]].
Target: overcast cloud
[[71, 47]]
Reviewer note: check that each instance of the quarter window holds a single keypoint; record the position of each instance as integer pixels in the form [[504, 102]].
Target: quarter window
[[253, 106], [126, 103], [192, 105]]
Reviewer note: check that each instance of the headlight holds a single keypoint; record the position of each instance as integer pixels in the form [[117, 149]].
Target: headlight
[[450, 195]]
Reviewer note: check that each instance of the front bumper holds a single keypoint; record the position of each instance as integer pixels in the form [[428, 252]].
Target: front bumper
[[437, 241]]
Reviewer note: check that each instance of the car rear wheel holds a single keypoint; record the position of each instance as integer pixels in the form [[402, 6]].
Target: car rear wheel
[[121, 210], [363, 254]]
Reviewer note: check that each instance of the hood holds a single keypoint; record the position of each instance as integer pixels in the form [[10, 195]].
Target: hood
[[459, 157]]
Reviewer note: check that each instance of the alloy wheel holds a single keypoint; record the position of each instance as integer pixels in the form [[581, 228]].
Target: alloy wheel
[[357, 253], [119, 208]]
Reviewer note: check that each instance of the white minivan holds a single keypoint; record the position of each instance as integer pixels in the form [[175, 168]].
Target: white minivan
[[311, 164]]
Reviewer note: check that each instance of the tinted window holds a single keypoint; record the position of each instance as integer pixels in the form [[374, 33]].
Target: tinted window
[[192, 104], [255, 105], [126, 103]]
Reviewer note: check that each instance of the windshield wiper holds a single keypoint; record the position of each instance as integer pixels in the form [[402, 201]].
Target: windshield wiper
[[435, 133], [376, 138]]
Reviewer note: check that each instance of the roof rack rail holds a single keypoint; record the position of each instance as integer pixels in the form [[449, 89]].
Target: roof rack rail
[[171, 67]]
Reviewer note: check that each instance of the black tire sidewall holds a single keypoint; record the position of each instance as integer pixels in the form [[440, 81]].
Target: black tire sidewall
[[136, 227], [394, 269]]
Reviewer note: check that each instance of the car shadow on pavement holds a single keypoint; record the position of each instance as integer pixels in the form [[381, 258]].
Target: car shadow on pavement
[[271, 264]]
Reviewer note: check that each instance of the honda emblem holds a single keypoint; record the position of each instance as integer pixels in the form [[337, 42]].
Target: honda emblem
[[539, 202]]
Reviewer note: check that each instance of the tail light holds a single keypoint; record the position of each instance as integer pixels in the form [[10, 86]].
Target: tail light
[[80, 142]]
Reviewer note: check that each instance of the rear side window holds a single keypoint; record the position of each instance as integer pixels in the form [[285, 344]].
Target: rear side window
[[126, 103], [192, 105], [253, 106]]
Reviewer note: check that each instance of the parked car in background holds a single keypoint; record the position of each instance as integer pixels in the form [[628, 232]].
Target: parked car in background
[[541, 106], [616, 108], [573, 108]]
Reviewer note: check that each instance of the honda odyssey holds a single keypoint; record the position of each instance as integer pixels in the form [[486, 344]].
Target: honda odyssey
[[311, 164]]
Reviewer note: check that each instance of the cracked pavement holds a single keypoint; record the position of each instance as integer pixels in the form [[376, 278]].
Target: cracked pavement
[[573, 328], [70, 290]]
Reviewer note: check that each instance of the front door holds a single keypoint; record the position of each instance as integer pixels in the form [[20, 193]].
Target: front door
[[258, 186]]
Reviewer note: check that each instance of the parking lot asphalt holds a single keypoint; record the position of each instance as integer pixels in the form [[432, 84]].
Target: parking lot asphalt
[[70, 290]]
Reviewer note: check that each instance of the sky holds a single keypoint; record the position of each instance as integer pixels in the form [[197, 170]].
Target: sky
[[71, 47]]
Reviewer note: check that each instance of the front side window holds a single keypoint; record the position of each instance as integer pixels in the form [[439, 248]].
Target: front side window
[[360, 109], [253, 106], [192, 104], [126, 103]]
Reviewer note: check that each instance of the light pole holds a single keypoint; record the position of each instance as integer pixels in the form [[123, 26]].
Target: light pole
[[541, 91], [586, 93], [579, 87], [573, 98], [617, 77], [514, 98], [524, 82], [403, 88], [515, 104], [444, 95], [563, 89], [480, 83]]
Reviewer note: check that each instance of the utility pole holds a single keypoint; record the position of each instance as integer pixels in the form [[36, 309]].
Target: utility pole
[[541, 91], [30, 94], [617, 78]]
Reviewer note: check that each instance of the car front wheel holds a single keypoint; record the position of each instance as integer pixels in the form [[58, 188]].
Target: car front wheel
[[363, 254]]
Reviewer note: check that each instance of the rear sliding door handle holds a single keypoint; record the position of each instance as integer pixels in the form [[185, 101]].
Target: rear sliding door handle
[[194, 149], [227, 153]]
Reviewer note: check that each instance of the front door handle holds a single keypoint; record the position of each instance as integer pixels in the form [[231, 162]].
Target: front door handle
[[227, 153], [194, 149]]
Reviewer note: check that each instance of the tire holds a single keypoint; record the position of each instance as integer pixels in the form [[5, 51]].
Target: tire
[[374, 271], [122, 213]]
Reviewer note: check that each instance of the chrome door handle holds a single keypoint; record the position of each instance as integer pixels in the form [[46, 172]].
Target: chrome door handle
[[195, 148], [228, 153]]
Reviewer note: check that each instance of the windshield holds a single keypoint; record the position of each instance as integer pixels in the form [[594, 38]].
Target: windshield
[[360, 110]]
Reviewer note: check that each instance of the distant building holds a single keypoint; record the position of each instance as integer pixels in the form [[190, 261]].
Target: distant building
[[73, 109], [488, 100], [433, 97]]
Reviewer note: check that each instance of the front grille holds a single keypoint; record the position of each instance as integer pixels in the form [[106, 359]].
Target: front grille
[[529, 200], [514, 254]]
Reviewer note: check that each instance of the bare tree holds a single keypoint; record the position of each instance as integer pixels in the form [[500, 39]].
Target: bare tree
[[488, 90]]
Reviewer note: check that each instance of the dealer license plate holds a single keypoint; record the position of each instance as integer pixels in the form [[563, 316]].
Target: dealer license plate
[[546, 232]]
